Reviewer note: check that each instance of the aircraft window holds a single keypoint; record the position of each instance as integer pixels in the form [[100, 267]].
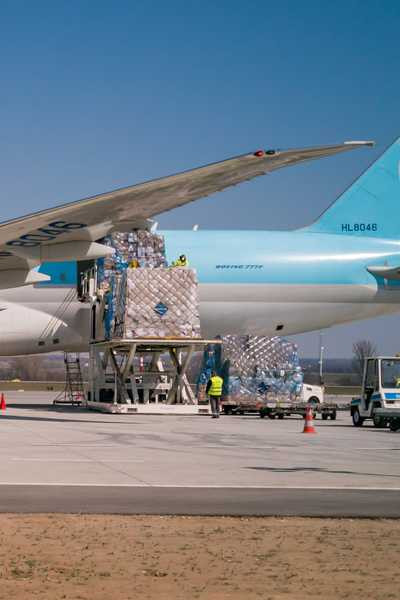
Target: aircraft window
[[63, 276], [41, 343], [390, 373], [56, 341], [279, 327]]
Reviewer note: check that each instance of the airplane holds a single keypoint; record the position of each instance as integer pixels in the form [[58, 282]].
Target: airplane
[[343, 267]]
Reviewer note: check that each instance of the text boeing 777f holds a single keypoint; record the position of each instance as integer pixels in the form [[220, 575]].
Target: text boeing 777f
[[343, 267]]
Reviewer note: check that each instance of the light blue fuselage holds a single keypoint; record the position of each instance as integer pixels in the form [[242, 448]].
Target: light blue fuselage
[[253, 282], [282, 257]]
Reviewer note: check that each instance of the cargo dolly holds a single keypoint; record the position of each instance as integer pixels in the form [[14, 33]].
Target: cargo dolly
[[286, 409]]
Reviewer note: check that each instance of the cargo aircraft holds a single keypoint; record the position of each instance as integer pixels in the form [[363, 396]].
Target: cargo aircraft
[[343, 267]]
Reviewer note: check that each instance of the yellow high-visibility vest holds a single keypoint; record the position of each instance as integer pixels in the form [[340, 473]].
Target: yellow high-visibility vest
[[180, 263], [216, 386]]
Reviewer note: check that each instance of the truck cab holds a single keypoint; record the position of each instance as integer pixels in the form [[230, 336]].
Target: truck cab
[[380, 393], [312, 394]]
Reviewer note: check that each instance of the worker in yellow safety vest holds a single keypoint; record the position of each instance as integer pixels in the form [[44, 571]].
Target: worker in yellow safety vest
[[214, 390], [182, 261]]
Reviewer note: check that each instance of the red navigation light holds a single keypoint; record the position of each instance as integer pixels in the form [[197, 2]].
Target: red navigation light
[[259, 153]]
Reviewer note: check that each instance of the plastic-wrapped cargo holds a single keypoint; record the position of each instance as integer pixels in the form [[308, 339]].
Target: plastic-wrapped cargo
[[144, 248], [256, 368], [155, 303], [267, 367], [253, 355]]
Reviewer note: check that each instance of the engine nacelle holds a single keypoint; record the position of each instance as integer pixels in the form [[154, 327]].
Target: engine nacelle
[[11, 278]]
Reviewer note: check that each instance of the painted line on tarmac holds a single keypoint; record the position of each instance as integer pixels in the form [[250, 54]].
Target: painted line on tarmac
[[203, 486], [377, 448], [79, 460]]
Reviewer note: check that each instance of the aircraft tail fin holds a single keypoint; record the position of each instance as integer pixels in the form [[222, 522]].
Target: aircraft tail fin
[[370, 207]]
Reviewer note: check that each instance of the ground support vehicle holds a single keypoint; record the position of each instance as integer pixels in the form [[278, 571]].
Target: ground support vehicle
[[379, 400]]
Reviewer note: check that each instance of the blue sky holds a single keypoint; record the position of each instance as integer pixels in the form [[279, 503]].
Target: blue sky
[[97, 95]]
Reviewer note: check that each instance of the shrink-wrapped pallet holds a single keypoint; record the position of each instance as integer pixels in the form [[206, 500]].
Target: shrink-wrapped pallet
[[146, 248], [156, 303], [267, 367]]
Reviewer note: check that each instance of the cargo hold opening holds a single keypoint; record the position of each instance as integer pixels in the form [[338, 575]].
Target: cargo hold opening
[[81, 267]]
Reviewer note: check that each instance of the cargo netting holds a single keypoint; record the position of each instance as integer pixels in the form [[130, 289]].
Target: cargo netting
[[255, 367], [134, 248], [159, 303], [144, 298]]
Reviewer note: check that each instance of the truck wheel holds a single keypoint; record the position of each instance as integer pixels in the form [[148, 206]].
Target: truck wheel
[[262, 414], [313, 401], [227, 410], [272, 415], [358, 420], [281, 416], [333, 415], [324, 416], [394, 424], [379, 421]]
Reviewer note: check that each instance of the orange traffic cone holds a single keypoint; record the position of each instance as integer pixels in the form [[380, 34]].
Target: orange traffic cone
[[308, 423], [3, 405]]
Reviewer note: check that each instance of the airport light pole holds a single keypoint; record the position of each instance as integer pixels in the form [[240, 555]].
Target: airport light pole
[[321, 353]]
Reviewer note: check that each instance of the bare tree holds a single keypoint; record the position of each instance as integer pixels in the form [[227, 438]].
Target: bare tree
[[361, 350], [26, 368]]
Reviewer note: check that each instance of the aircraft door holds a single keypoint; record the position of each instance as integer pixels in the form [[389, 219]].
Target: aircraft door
[[371, 384]]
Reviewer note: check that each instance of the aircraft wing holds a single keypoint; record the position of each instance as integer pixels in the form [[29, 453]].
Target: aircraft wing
[[94, 217]]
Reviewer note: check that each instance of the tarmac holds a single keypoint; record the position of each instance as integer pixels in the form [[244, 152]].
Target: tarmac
[[64, 459]]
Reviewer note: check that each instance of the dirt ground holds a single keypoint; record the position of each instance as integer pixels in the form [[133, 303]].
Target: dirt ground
[[54, 557]]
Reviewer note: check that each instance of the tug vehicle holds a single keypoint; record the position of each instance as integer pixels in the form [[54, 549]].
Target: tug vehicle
[[379, 400]]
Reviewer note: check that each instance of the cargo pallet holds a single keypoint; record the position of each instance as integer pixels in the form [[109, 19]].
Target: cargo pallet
[[118, 385]]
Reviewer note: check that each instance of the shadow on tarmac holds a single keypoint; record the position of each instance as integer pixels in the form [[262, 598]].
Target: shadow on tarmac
[[60, 420], [318, 470]]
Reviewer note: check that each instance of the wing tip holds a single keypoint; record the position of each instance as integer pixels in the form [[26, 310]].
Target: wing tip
[[369, 143]]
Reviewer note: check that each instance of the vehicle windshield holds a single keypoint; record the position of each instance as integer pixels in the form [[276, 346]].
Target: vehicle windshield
[[390, 373]]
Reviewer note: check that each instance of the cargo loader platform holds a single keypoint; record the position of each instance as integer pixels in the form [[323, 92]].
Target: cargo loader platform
[[127, 375], [144, 328]]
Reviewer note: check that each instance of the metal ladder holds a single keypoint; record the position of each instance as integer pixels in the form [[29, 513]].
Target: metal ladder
[[73, 392]]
